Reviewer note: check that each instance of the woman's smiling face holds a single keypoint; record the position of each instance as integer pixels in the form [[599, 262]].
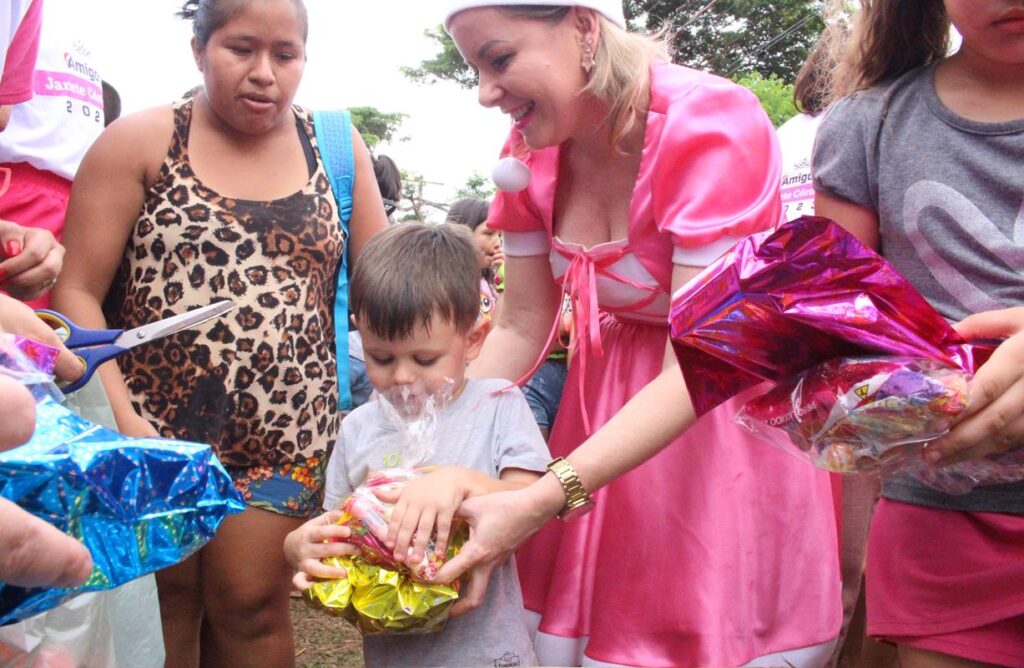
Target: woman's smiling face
[[528, 68]]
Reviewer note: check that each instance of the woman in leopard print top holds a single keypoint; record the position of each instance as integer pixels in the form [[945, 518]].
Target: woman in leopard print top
[[224, 196]]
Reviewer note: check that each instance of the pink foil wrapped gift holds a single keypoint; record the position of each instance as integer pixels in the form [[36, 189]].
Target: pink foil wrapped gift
[[806, 295], [784, 300]]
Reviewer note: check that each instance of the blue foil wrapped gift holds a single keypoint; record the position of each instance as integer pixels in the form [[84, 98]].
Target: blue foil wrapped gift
[[138, 505]]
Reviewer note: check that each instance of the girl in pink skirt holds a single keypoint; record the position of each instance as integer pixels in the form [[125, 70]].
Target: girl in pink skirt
[[923, 162]]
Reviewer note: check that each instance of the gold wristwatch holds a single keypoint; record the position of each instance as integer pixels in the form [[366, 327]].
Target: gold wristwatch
[[577, 500]]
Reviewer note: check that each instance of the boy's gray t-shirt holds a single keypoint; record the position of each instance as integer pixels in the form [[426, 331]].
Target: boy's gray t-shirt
[[484, 430], [949, 195]]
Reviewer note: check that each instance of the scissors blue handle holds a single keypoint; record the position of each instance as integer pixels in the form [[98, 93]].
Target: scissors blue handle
[[92, 347], [96, 346]]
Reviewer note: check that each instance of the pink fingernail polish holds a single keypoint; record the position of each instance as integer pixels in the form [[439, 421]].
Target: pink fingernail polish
[[13, 248]]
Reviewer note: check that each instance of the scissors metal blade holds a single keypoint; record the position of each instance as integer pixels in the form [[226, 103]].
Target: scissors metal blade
[[177, 323]]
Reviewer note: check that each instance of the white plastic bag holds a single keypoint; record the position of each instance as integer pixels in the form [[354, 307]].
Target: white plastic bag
[[106, 629]]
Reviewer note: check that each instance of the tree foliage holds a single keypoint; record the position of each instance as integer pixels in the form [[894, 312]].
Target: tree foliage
[[375, 125], [726, 37], [420, 207], [447, 65], [776, 96], [476, 186], [733, 36]]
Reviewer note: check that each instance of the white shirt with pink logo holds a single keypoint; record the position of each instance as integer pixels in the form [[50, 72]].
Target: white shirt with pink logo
[[796, 140], [53, 130]]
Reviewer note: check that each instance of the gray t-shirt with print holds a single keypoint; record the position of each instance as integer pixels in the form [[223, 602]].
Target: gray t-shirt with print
[[948, 193], [487, 430]]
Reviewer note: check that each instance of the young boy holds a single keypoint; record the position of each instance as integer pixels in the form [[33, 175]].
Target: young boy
[[415, 298]]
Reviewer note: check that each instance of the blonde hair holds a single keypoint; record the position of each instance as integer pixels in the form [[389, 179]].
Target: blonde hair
[[621, 76], [890, 38]]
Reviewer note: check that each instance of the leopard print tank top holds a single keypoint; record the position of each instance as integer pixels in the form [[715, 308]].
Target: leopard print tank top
[[260, 383]]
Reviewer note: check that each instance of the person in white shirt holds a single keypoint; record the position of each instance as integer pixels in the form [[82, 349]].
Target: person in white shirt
[[48, 135]]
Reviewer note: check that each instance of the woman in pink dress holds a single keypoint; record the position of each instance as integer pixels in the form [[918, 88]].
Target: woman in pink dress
[[704, 548]]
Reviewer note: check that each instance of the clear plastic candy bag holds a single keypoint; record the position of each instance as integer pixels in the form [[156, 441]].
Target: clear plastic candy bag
[[875, 414]]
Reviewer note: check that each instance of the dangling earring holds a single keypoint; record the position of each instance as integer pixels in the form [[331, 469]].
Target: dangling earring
[[588, 56]]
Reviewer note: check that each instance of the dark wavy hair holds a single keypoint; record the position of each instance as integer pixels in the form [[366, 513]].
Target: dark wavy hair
[[389, 178], [209, 16], [470, 212]]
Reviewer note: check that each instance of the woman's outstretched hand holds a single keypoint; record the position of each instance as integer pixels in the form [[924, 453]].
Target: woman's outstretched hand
[[994, 421], [498, 524]]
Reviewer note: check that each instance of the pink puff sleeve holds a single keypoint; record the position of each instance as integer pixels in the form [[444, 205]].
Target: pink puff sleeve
[[718, 169], [525, 231]]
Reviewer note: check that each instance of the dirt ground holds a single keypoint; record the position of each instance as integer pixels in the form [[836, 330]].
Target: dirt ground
[[322, 641]]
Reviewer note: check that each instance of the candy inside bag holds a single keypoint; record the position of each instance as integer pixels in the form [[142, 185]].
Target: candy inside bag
[[875, 414], [380, 594], [785, 300], [859, 414], [376, 600], [781, 302], [368, 518]]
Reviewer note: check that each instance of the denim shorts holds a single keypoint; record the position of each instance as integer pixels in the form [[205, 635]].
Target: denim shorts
[[544, 391]]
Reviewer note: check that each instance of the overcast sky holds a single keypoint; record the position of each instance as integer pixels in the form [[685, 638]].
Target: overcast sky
[[354, 52]]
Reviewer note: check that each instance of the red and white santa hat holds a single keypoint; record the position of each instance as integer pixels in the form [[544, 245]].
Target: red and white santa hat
[[610, 9]]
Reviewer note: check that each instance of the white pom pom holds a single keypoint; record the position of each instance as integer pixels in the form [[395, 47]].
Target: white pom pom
[[510, 175]]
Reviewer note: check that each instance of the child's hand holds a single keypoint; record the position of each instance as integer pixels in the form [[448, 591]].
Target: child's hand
[[318, 538], [421, 504], [993, 422]]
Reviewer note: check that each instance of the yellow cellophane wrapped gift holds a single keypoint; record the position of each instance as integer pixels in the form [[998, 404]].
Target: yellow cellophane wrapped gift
[[380, 600], [381, 595]]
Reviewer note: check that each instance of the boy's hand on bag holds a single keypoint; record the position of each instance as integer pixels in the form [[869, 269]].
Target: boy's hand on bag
[[318, 538], [422, 505]]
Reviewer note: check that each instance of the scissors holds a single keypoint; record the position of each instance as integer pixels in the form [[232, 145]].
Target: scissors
[[90, 345]]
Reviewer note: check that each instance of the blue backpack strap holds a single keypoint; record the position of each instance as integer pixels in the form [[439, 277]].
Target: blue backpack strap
[[334, 138]]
